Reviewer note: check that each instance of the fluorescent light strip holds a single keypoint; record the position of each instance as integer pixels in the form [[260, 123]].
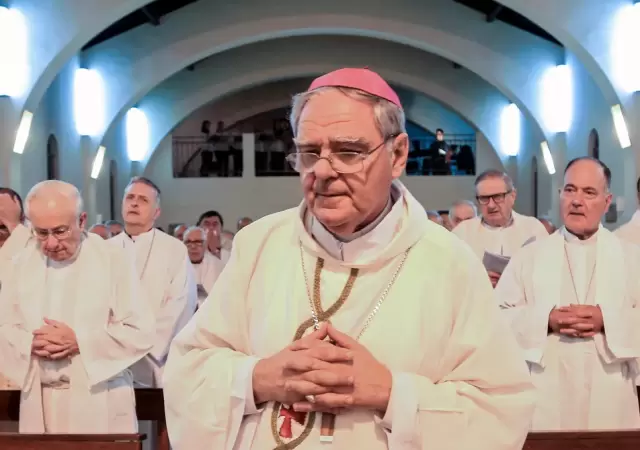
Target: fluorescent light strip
[[97, 163], [22, 135], [621, 126], [548, 159]]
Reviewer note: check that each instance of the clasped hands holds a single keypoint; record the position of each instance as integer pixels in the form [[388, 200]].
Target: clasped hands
[[54, 340], [581, 321], [313, 374]]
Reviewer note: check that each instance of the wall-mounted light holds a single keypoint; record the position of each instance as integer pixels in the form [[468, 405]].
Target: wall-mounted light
[[14, 53], [88, 102], [22, 135], [97, 163], [548, 159], [556, 93], [510, 130], [624, 47], [621, 126], [137, 130]]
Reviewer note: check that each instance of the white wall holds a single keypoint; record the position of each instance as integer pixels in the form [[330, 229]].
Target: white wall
[[184, 199]]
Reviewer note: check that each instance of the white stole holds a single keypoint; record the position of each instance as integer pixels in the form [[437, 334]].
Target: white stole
[[611, 294]]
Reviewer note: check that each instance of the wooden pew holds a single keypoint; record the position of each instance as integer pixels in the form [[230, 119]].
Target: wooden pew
[[149, 406], [594, 440], [16, 441]]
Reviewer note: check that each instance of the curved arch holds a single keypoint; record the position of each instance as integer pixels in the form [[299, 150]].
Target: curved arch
[[253, 65], [190, 39], [165, 112], [565, 21]]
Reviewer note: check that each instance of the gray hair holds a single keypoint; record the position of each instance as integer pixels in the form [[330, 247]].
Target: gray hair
[[61, 188], [194, 228], [147, 182], [495, 173], [434, 214], [463, 203], [390, 119]]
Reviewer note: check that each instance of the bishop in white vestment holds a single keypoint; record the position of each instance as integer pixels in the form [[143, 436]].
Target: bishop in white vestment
[[71, 322], [207, 267], [416, 355], [164, 269], [574, 303]]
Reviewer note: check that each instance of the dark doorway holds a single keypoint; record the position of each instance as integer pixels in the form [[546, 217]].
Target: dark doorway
[[53, 162], [534, 168], [594, 144]]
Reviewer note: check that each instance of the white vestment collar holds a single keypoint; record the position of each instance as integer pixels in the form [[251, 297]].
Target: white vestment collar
[[377, 233], [610, 293]]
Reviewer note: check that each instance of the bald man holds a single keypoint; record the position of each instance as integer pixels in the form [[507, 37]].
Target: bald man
[[178, 232], [72, 322], [243, 222], [100, 230]]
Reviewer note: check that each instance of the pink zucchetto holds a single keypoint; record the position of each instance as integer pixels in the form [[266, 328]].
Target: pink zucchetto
[[363, 79]]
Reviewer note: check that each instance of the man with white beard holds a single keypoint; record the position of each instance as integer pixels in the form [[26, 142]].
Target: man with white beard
[[71, 322], [164, 268], [573, 299]]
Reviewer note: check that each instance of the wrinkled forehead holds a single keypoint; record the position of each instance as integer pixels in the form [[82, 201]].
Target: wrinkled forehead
[[142, 190], [332, 115], [491, 186], [49, 216], [586, 175]]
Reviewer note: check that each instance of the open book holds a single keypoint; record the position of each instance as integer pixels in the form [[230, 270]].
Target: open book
[[497, 263]]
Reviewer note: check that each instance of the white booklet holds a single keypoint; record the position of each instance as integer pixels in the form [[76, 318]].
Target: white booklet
[[495, 263]]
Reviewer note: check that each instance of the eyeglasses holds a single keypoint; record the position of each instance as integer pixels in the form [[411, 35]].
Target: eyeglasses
[[497, 198], [59, 234], [346, 161], [199, 243]]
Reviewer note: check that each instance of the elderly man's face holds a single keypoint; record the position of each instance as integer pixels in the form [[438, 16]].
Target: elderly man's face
[[460, 214], [332, 122], [57, 227], [179, 232], [584, 198], [140, 205], [100, 230], [496, 201], [196, 246]]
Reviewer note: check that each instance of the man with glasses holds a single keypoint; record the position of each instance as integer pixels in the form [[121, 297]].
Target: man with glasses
[[207, 267], [71, 322], [499, 231], [573, 300], [351, 321]]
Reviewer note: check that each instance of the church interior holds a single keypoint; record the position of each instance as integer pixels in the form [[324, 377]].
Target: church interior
[[192, 99]]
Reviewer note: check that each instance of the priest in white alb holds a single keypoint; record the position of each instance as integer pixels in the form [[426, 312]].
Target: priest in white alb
[[573, 300], [207, 267], [164, 269], [416, 355], [630, 231], [71, 322], [499, 231]]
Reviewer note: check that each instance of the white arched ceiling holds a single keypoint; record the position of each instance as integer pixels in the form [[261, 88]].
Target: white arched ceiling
[[252, 65], [585, 28], [136, 62]]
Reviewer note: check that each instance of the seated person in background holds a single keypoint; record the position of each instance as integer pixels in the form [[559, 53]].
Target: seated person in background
[[100, 230], [72, 321], [548, 224], [435, 217], [460, 211], [499, 232], [115, 227], [573, 300], [178, 232], [207, 267]]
